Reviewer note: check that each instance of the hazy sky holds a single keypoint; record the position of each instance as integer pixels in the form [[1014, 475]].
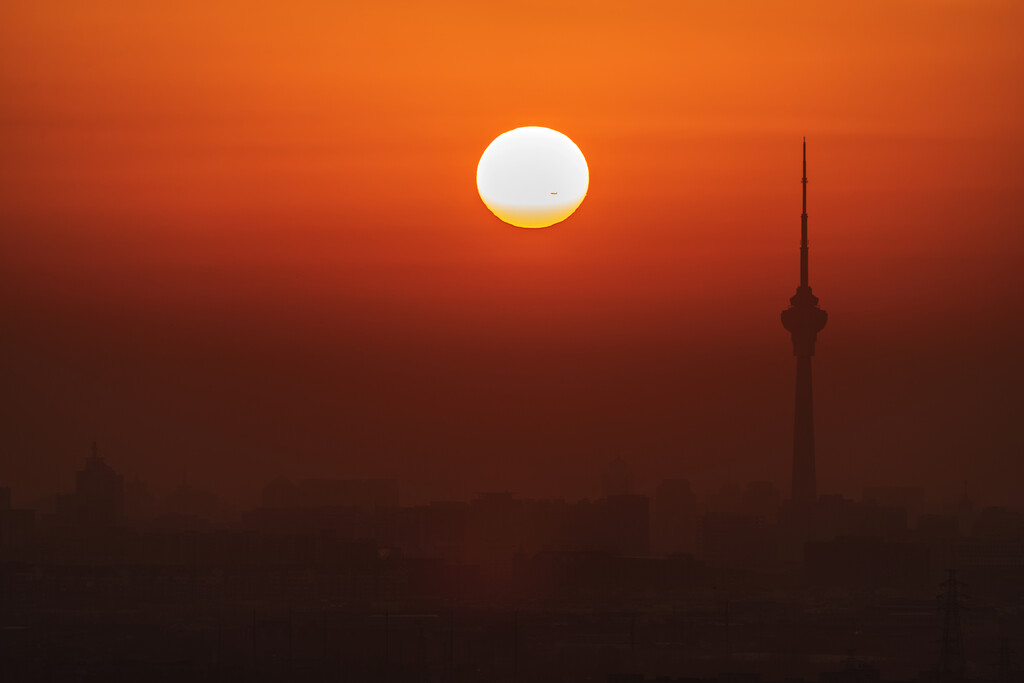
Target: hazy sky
[[243, 239]]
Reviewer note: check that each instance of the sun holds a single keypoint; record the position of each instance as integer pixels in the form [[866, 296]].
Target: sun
[[532, 177]]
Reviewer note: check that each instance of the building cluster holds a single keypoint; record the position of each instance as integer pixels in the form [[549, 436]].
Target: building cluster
[[619, 584], [886, 538]]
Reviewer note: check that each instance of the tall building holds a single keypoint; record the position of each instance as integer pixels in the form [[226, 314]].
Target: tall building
[[16, 527], [98, 499], [804, 320], [675, 517]]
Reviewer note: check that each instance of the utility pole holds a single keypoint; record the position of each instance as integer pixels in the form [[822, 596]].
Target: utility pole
[[451, 645], [515, 647], [1005, 669], [289, 641], [952, 665]]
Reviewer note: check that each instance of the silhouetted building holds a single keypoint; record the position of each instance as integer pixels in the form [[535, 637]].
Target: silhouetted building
[[836, 516], [190, 509], [440, 529], [937, 528], [98, 499], [280, 493], [761, 500], [804, 320], [369, 494], [995, 566], [627, 521], [998, 523], [139, 503], [727, 500], [347, 508], [861, 563], [619, 525], [910, 498], [544, 524], [16, 527], [495, 527], [736, 541], [675, 517]]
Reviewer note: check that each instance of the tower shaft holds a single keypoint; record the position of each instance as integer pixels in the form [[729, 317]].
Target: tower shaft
[[805, 487]]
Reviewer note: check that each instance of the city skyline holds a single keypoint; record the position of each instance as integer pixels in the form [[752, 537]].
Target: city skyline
[[440, 342], [228, 250], [328, 578]]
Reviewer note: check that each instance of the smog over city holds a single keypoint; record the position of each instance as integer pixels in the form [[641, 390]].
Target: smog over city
[[572, 342]]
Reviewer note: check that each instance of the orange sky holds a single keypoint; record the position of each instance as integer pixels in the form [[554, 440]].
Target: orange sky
[[250, 230]]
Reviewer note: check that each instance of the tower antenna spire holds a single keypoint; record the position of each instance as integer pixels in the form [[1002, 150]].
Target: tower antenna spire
[[803, 224]]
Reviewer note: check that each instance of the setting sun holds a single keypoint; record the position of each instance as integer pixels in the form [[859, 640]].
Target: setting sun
[[532, 177]]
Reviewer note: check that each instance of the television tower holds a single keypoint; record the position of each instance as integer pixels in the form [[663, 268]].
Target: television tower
[[804, 320]]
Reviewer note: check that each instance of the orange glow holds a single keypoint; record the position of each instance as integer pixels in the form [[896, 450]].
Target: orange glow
[[184, 178]]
